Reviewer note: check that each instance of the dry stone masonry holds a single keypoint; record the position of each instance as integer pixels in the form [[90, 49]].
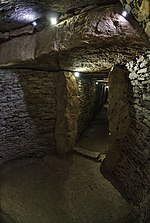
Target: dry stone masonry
[[133, 170], [141, 11], [27, 113], [41, 112]]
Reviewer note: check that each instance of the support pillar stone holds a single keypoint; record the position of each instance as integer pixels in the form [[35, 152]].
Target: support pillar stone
[[119, 118], [67, 112]]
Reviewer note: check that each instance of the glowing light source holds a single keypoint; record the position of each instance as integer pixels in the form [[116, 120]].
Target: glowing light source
[[96, 82], [53, 21], [34, 23], [124, 13], [76, 74]]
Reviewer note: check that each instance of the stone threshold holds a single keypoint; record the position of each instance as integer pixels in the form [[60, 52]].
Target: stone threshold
[[96, 156]]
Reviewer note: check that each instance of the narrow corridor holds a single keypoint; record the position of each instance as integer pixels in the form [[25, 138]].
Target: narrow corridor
[[95, 137]]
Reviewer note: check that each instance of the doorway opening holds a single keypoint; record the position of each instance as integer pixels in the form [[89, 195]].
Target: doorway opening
[[93, 137]]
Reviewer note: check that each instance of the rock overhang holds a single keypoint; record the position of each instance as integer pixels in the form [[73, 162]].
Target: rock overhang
[[91, 41], [18, 13]]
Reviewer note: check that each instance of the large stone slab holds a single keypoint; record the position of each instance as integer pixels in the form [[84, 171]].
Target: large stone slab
[[67, 112], [91, 41]]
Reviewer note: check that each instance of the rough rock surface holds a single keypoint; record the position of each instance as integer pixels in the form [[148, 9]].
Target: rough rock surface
[[100, 33], [17, 13], [67, 112], [118, 116]]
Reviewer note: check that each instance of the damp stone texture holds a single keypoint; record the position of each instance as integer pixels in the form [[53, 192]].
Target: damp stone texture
[[27, 113]]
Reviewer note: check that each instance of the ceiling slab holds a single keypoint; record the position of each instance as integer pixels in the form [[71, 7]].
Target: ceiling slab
[[15, 14], [91, 41]]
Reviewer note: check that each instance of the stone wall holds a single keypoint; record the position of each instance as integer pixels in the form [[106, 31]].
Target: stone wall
[[27, 113], [91, 98], [141, 11], [135, 164], [133, 169]]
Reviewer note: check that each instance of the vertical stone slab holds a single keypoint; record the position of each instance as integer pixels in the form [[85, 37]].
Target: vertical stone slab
[[67, 112], [118, 115]]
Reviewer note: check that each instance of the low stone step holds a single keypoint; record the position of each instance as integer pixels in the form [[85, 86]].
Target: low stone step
[[99, 157]]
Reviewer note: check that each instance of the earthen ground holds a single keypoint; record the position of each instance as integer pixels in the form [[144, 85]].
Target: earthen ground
[[59, 190]]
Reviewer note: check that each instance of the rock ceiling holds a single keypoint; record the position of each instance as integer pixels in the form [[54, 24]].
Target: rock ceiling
[[18, 13], [93, 38], [91, 41]]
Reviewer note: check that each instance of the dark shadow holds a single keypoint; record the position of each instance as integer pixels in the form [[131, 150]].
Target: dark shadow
[[94, 136]]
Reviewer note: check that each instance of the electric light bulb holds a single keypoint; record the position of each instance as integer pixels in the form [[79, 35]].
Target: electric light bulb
[[34, 23], [76, 74], [124, 13], [53, 21]]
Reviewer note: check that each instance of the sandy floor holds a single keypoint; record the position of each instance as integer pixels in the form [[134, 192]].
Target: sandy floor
[[54, 190], [62, 190]]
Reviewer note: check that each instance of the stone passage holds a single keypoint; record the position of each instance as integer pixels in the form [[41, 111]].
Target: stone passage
[[39, 111], [90, 101], [27, 113]]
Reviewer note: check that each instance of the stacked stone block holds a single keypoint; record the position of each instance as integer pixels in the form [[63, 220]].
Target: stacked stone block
[[141, 11], [27, 113], [134, 168]]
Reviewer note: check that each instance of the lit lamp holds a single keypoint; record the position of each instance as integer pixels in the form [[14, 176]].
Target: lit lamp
[[76, 74], [34, 23], [53, 21], [124, 13]]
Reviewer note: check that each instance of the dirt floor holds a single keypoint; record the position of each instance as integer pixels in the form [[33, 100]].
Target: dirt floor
[[95, 137], [60, 190]]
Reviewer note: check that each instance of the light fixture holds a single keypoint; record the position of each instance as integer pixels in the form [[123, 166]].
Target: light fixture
[[96, 82], [53, 20], [124, 13], [34, 23], [76, 74]]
